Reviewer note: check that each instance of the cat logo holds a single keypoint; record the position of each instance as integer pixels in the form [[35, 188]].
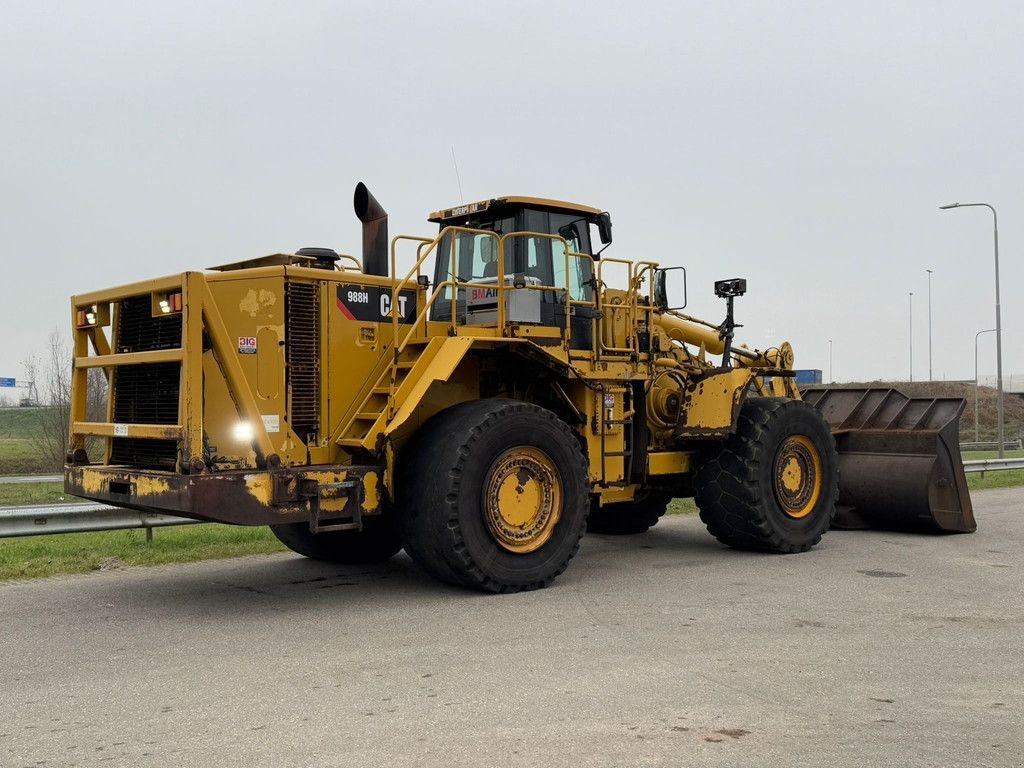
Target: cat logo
[[372, 304]]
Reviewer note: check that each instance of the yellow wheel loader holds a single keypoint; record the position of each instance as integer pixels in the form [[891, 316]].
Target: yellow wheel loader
[[483, 407]]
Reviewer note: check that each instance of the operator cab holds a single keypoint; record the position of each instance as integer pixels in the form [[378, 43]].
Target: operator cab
[[528, 259]]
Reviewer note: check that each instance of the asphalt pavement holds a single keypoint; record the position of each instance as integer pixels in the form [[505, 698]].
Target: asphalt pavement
[[666, 649]]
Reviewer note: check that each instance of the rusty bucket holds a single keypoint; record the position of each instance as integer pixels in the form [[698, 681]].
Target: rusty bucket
[[899, 459]]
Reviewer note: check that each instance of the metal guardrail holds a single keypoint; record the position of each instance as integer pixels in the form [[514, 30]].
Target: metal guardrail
[[993, 445], [79, 518], [994, 465], [82, 518]]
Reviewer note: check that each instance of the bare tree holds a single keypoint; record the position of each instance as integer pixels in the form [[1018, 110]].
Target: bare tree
[[53, 383]]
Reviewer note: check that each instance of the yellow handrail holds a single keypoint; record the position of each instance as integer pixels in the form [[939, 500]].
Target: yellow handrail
[[629, 308], [421, 257], [567, 288], [426, 247]]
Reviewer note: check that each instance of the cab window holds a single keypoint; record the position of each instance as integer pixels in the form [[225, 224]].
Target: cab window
[[544, 258]]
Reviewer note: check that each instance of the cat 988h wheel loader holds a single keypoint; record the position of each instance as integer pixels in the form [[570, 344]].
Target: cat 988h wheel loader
[[484, 413]]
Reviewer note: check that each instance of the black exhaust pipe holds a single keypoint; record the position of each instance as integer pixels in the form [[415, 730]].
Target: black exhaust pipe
[[375, 231]]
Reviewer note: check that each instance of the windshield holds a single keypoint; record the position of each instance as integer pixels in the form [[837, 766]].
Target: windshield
[[475, 255]]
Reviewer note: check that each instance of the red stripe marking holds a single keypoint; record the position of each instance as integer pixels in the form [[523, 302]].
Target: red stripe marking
[[345, 310]]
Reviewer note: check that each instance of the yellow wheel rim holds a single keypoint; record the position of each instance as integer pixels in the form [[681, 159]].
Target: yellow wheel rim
[[797, 476], [522, 499]]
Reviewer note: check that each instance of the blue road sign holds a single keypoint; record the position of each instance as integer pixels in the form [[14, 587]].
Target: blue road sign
[[8, 383]]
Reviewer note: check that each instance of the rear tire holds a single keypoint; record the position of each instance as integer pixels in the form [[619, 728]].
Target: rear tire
[[493, 495], [377, 542], [773, 485], [629, 517]]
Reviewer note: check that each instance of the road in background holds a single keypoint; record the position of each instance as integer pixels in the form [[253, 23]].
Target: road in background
[[22, 479], [663, 649]]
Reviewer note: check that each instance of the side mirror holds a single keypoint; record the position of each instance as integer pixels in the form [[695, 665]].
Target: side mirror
[[662, 299], [604, 227]]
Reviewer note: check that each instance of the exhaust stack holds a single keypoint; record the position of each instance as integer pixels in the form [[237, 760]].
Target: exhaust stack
[[375, 231]]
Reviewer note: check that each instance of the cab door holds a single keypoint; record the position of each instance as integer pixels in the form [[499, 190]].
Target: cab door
[[576, 275]]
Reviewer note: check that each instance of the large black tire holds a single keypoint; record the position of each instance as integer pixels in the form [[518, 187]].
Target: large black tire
[[477, 451], [773, 485], [377, 542], [629, 517]]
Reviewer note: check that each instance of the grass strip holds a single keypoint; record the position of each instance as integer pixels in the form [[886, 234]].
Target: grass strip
[[682, 507], [1009, 478], [35, 556]]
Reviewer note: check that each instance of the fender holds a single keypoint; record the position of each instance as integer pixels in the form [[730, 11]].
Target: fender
[[440, 365], [711, 403]]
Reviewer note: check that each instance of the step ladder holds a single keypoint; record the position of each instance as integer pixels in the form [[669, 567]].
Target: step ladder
[[626, 423], [377, 406]]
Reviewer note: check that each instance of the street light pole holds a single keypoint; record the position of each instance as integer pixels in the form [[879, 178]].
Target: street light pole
[[831, 379], [930, 376], [999, 326], [987, 330], [911, 304]]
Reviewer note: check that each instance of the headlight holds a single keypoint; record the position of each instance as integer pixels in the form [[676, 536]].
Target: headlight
[[244, 432]]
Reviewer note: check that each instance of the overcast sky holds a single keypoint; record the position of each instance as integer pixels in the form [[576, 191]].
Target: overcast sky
[[804, 146]]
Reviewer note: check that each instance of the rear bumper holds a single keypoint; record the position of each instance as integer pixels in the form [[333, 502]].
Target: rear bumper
[[240, 497]]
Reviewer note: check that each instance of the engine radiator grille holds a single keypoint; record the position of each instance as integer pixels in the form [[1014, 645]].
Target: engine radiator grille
[[139, 331], [302, 334], [145, 394]]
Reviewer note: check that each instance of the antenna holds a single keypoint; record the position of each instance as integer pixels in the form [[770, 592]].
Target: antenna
[[457, 178]]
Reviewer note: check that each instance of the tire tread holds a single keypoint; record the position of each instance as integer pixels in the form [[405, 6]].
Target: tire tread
[[726, 484], [434, 537]]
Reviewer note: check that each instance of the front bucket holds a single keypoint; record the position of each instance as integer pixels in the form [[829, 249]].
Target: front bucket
[[899, 459]]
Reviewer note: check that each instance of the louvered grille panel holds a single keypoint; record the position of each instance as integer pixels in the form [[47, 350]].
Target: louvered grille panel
[[139, 331], [145, 394], [302, 336]]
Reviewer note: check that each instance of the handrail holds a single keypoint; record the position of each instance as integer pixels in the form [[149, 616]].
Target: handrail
[[427, 247], [567, 288], [628, 308], [641, 268], [399, 286], [353, 259], [396, 292], [456, 284]]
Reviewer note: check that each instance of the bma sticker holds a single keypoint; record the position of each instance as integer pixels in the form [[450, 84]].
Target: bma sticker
[[247, 345]]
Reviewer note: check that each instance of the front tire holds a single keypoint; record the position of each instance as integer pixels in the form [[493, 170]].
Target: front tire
[[493, 496], [773, 485]]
